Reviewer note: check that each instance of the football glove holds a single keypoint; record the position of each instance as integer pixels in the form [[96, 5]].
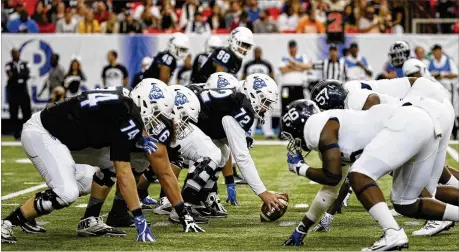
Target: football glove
[[296, 163], [188, 223], [297, 237], [147, 144], [175, 156], [143, 230], [249, 141], [231, 192]]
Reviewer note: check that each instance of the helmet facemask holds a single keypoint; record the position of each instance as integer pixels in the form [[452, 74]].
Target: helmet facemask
[[184, 125], [153, 123], [294, 144], [264, 107], [243, 48]]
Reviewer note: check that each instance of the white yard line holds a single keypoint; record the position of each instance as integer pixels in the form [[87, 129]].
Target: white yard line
[[28, 190], [301, 206], [453, 153], [81, 205]]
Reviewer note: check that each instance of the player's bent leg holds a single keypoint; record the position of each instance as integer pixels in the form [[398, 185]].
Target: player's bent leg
[[447, 177], [448, 194]]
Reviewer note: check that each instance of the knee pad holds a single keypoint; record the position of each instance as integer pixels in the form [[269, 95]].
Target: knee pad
[[45, 202], [365, 187], [322, 201], [413, 210], [332, 178], [205, 170], [105, 177]]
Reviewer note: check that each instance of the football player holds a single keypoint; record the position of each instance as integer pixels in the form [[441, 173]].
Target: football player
[[212, 43], [227, 59], [94, 119], [163, 130], [164, 63], [225, 118], [311, 130], [399, 52]]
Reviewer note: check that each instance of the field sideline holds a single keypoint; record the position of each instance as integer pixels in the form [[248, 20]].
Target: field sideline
[[242, 230]]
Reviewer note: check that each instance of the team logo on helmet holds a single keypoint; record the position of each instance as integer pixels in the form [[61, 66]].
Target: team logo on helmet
[[222, 82], [258, 83], [180, 99], [155, 93]]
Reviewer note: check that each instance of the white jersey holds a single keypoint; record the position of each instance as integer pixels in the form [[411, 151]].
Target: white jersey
[[357, 128], [393, 87]]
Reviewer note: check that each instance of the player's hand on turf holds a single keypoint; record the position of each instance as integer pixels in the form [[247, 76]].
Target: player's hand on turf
[[147, 144], [294, 161], [272, 200], [188, 223], [296, 239], [231, 192], [143, 230]]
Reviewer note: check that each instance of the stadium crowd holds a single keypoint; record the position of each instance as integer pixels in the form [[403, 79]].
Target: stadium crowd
[[217, 16]]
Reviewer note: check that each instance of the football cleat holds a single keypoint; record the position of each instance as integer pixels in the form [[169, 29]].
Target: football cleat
[[95, 226], [324, 224], [31, 227], [391, 240], [198, 218], [433, 227], [7, 232], [214, 202], [148, 201], [346, 199], [239, 180], [163, 207], [394, 213], [120, 220], [146, 208]]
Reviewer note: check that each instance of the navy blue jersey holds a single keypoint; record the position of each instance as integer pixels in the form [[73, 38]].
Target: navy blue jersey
[[221, 56], [162, 58]]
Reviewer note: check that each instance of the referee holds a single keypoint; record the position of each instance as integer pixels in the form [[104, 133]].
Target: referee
[[332, 67], [259, 65]]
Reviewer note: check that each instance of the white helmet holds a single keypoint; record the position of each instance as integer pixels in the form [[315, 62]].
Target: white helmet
[[154, 99], [187, 107], [179, 45], [212, 43], [413, 66], [241, 41], [221, 80], [262, 93]]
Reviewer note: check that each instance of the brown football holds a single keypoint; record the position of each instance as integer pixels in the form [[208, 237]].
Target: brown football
[[268, 215]]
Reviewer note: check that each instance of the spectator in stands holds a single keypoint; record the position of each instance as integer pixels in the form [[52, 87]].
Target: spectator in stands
[[74, 78], [243, 21], [4, 20], [23, 24], [130, 25], [89, 24], [8, 7], [288, 20], [147, 13], [336, 5], [39, 14], [357, 66], [320, 11], [81, 12], [216, 20], [265, 24], [310, 24], [111, 25], [446, 9], [188, 10], [101, 13], [420, 54], [398, 16], [223, 5], [51, 13], [234, 12], [169, 18], [68, 24], [369, 23], [198, 26], [56, 76], [138, 77], [349, 17], [253, 10], [385, 18], [147, 20], [114, 74], [60, 13], [18, 9]]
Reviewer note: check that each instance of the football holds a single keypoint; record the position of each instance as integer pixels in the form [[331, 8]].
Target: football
[[269, 215]]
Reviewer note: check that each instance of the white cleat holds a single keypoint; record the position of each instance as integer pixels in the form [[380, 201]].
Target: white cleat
[[7, 232], [324, 224], [95, 226], [391, 240], [394, 213], [433, 227], [163, 207]]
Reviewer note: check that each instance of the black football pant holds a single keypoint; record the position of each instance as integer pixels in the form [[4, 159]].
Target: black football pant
[[15, 102]]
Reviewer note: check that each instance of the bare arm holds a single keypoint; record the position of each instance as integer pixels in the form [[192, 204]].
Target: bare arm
[[127, 184], [164, 73], [372, 100], [220, 68]]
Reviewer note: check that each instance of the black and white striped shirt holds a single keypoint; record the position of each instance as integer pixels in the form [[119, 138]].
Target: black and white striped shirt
[[335, 70]]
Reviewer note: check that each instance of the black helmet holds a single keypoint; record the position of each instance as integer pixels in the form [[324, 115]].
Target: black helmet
[[329, 94], [399, 52], [292, 124]]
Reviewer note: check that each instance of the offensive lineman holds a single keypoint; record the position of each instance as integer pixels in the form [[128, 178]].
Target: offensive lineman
[[96, 119], [164, 63]]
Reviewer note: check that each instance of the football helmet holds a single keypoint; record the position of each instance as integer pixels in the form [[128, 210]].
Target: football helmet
[[156, 101], [329, 94], [241, 41], [186, 108], [262, 93], [221, 80], [212, 43], [178, 45], [292, 123], [399, 52], [413, 66]]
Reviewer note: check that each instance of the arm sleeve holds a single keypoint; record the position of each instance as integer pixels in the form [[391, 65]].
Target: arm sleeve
[[238, 145]]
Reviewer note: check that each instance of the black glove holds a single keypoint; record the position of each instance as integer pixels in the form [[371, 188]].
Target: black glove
[[175, 156], [249, 141]]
